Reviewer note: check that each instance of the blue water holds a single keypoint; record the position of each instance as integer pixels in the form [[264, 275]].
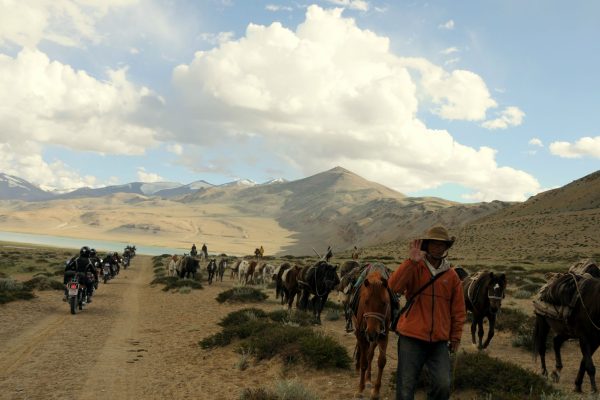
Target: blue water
[[73, 243]]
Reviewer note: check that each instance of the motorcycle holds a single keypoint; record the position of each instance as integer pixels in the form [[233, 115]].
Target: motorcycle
[[126, 262], [76, 294], [106, 272]]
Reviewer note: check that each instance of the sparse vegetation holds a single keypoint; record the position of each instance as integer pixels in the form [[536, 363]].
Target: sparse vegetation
[[284, 390], [11, 290], [292, 343], [242, 295]]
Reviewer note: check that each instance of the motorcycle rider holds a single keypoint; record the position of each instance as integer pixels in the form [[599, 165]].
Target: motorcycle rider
[[80, 266], [97, 263]]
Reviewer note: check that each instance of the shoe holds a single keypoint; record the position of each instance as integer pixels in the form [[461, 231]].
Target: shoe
[[89, 299]]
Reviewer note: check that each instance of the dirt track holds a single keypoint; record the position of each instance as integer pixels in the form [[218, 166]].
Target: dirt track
[[136, 341]]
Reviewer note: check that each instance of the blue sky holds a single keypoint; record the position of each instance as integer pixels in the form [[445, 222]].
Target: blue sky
[[469, 101]]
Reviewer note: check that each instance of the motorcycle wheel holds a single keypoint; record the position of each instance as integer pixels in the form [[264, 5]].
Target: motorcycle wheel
[[73, 304]]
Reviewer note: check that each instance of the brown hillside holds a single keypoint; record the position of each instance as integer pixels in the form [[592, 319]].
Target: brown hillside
[[560, 224]]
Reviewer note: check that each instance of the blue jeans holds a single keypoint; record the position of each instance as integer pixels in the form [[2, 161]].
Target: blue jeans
[[413, 354]]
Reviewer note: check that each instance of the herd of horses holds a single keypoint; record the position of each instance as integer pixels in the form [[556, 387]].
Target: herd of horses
[[371, 316]]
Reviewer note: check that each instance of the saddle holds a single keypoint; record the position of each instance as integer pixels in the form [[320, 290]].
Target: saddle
[[475, 284], [557, 298]]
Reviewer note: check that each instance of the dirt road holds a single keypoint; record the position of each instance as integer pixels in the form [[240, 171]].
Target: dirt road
[[137, 342]]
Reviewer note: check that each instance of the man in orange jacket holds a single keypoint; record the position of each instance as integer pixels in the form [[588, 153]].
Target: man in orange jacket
[[432, 324]]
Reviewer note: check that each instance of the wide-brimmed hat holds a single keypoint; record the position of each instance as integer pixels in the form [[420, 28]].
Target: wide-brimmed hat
[[437, 233]]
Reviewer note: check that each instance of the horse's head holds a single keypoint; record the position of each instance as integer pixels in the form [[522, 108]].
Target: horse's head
[[329, 274], [495, 291], [375, 306]]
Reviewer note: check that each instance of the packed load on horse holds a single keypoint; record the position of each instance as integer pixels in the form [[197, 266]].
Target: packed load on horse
[[568, 305], [558, 297]]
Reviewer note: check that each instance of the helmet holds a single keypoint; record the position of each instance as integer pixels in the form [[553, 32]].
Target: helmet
[[92, 252], [84, 251]]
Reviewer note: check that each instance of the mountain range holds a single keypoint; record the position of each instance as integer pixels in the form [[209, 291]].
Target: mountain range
[[336, 207]]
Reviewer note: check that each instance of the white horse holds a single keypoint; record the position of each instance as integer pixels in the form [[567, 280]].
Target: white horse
[[266, 273], [243, 270], [173, 266]]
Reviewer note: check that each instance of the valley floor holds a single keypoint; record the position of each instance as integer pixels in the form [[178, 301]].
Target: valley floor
[[136, 341]]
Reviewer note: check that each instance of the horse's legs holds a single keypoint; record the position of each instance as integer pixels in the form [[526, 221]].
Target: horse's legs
[[362, 362], [480, 333], [587, 350], [557, 343], [492, 325], [304, 299], [473, 329], [381, 361], [370, 355]]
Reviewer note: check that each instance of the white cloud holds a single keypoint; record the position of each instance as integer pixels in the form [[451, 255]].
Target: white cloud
[[134, 50], [510, 116], [217, 38], [536, 142], [451, 61], [51, 103], [175, 148], [586, 146], [361, 5], [447, 25], [66, 22], [449, 50], [24, 160], [274, 7], [330, 93], [148, 177]]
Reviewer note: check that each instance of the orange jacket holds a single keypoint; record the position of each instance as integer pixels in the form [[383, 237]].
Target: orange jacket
[[438, 313]]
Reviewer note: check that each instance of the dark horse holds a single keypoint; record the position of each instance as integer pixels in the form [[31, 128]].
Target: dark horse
[[221, 269], [211, 268], [289, 285], [317, 280], [189, 267], [372, 323], [583, 324], [484, 292], [277, 277]]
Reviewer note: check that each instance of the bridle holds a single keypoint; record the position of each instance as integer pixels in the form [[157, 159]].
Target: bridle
[[494, 296], [381, 317]]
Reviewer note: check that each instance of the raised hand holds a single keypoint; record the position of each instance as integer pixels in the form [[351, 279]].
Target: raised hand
[[414, 251]]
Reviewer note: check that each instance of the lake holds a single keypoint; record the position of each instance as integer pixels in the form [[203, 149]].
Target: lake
[[74, 243]]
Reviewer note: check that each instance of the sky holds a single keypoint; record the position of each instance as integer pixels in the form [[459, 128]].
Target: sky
[[469, 101]]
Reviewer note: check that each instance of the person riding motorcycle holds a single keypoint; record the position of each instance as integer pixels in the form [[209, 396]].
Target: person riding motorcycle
[[97, 263], [113, 262], [80, 266]]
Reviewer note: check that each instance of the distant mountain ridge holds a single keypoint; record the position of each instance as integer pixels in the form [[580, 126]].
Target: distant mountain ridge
[[15, 188]]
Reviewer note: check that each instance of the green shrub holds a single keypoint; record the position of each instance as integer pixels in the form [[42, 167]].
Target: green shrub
[[295, 317], [284, 390], [265, 339], [242, 316], [513, 320], [334, 306], [11, 290], [258, 394], [242, 295], [322, 351], [180, 283], [332, 315], [522, 294], [43, 283], [184, 290]]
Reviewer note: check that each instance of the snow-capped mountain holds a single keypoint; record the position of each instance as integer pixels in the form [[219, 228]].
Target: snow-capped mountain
[[184, 189], [274, 181], [15, 188], [150, 188], [240, 182]]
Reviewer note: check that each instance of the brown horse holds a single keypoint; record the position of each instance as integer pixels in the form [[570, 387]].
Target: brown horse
[[484, 292], [583, 324], [277, 277], [372, 323], [235, 269], [290, 288]]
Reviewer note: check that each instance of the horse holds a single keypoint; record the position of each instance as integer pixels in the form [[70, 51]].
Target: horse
[[289, 286], [221, 269], [171, 267], [582, 324], [211, 268], [317, 280], [189, 267], [372, 323], [345, 289], [277, 277], [483, 293], [247, 271], [348, 266], [265, 272], [235, 270]]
